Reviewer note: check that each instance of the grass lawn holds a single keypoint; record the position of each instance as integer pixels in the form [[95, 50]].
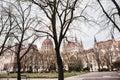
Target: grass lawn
[[42, 75]]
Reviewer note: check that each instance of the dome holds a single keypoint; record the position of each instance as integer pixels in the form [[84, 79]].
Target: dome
[[47, 42]]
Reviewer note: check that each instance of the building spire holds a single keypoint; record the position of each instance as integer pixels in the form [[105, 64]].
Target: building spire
[[76, 39], [95, 41], [81, 43], [112, 35]]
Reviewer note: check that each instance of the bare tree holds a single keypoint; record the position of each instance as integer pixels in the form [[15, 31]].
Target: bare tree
[[97, 58], [22, 33], [113, 14], [61, 14], [97, 53], [88, 58], [30, 62], [6, 28]]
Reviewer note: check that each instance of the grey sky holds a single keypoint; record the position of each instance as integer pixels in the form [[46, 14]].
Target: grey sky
[[83, 30], [86, 31]]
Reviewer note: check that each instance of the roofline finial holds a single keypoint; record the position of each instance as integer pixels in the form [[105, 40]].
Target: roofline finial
[[112, 35], [95, 39]]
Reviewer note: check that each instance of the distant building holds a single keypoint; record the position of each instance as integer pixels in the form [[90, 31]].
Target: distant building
[[49, 57], [73, 54], [7, 61], [106, 52]]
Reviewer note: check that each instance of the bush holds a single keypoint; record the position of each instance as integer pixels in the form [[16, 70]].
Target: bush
[[86, 69], [75, 68], [52, 68], [104, 69], [116, 65]]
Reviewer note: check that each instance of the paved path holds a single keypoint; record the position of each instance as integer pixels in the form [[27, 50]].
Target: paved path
[[99, 76], [88, 76]]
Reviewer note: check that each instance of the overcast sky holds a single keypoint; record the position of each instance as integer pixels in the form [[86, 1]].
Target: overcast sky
[[84, 30]]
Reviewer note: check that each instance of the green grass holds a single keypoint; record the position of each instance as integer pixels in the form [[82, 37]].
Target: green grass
[[42, 75], [69, 74], [73, 74]]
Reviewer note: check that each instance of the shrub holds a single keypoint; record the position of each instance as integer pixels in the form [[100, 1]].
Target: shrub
[[104, 69], [86, 69], [116, 65]]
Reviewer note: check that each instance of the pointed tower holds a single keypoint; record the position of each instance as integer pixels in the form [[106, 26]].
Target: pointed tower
[[95, 42], [112, 36], [76, 39], [81, 43], [113, 39]]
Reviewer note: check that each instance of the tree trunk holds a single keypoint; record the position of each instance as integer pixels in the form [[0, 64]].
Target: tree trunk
[[60, 65], [98, 62], [19, 68]]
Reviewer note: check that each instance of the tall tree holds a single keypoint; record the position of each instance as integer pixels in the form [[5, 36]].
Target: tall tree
[[60, 14], [97, 53], [23, 33]]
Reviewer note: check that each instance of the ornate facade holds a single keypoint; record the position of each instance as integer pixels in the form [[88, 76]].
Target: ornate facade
[[73, 54], [102, 56], [49, 57], [7, 61], [106, 52]]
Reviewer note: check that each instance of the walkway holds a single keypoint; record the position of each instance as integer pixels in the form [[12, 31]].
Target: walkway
[[88, 76]]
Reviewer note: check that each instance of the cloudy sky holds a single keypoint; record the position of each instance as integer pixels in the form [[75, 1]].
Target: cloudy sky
[[86, 30]]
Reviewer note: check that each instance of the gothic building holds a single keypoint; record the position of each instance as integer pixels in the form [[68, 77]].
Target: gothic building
[[106, 52], [73, 54], [7, 61], [32, 60], [102, 56], [48, 55]]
